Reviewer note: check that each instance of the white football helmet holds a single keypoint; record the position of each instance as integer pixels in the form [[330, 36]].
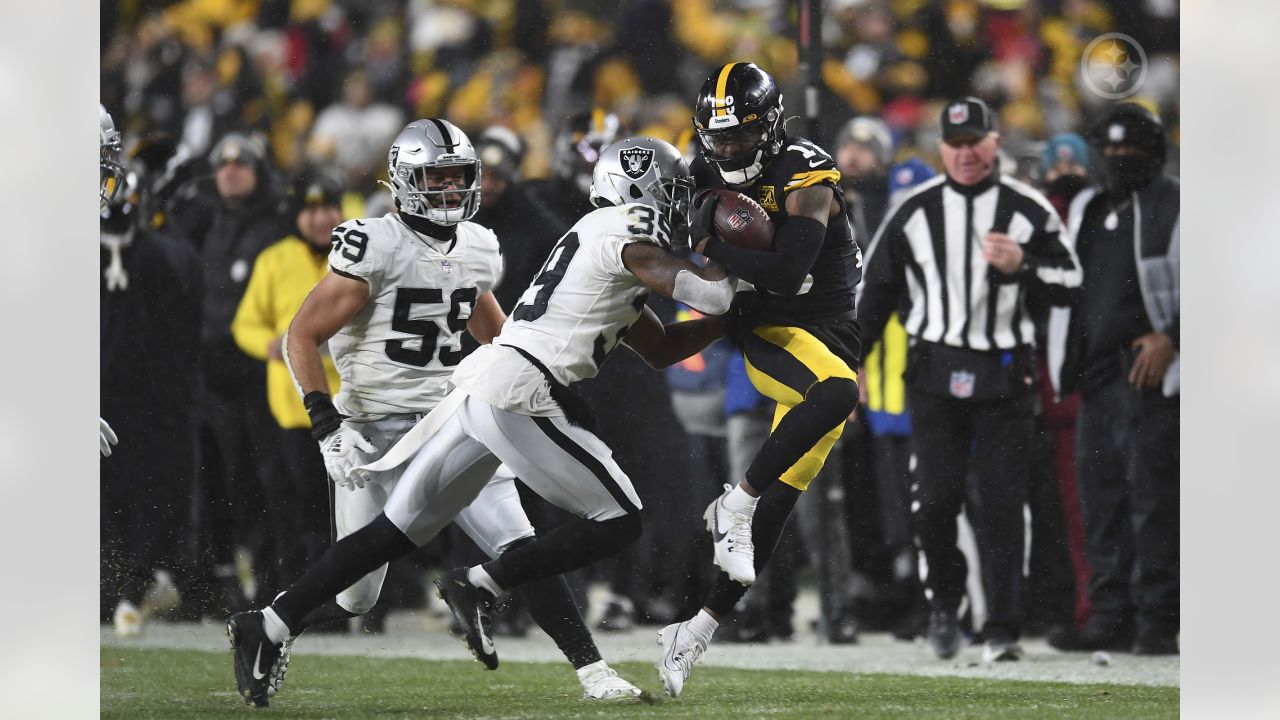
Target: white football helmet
[[112, 172], [647, 171], [420, 147]]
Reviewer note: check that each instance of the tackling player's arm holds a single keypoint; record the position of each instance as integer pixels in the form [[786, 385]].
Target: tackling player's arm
[[486, 319], [663, 345], [796, 246], [709, 290]]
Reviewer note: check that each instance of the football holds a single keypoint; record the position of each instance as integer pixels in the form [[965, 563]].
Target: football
[[740, 221]]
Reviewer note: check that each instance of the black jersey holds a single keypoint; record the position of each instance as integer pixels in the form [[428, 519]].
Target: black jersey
[[838, 268]]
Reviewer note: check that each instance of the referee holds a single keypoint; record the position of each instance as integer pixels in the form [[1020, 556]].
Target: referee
[[969, 247]]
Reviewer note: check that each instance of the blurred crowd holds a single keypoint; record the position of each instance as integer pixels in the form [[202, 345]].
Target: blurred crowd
[[241, 118]]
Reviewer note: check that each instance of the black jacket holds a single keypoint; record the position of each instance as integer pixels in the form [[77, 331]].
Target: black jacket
[[227, 241]]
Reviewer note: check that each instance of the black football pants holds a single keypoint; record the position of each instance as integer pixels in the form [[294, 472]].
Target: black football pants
[[949, 434]]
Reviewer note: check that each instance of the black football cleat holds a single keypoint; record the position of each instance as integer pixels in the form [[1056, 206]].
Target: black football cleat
[[254, 655], [471, 607]]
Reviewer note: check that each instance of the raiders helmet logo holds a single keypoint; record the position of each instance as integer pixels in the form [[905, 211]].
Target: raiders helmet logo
[[958, 113], [739, 219], [636, 161]]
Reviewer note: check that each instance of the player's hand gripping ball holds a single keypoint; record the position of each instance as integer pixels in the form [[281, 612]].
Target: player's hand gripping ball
[[732, 217]]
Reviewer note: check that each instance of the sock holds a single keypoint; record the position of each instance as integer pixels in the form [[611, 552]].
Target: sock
[[770, 518], [551, 605], [353, 557], [568, 546], [824, 408], [480, 578], [738, 501], [277, 631], [589, 667], [703, 625], [327, 612]]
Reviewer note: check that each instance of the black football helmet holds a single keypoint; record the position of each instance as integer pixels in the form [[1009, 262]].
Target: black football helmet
[[738, 119]]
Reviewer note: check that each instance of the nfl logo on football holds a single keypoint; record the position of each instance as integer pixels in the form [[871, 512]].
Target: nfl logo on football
[[739, 219]]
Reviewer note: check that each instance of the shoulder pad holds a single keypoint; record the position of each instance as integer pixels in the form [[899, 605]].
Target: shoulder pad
[[801, 164]]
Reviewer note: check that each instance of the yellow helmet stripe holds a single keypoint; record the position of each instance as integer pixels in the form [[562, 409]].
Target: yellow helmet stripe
[[721, 84]]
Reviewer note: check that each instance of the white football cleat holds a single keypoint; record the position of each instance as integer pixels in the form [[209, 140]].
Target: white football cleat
[[681, 650], [731, 537], [128, 620], [600, 682]]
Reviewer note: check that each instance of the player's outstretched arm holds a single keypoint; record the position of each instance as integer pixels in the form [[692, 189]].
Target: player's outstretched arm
[[330, 304], [706, 289], [796, 246], [486, 319], [663, 345]]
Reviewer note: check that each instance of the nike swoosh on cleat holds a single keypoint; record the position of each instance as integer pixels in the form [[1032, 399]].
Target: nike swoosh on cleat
[[257, 661], [716, 535], [485, 643]]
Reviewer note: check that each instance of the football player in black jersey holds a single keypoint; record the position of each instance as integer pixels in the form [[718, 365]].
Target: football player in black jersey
[[797, 330]]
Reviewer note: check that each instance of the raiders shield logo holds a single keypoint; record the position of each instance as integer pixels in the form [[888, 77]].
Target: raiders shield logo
[[636, 161], [739, 219], [958, 113], [962, 382]]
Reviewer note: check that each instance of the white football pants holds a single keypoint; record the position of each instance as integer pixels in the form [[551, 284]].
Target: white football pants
[[493, 521], [565, 464]]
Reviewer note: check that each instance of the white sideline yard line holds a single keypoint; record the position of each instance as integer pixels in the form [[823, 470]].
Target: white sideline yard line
[[420, 635]]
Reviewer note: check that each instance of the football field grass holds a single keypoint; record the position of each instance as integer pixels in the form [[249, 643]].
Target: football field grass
[[176, 684]]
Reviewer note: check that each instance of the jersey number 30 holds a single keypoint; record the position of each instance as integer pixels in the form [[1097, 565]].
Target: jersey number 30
[[462, 300]]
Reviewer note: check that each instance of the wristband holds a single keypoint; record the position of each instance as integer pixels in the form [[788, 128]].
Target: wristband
[[324, 416]]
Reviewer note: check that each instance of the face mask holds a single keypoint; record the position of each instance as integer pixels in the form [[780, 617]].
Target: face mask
[[1127, 173]]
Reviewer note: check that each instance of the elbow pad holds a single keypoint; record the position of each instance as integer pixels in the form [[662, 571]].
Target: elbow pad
[[709, 297]]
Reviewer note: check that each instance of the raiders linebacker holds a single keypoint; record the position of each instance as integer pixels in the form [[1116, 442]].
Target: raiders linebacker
[[513, 404], [400, 292], [111, 176]]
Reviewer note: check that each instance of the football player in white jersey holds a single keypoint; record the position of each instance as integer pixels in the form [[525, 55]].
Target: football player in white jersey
[[512, 404], [111, 176], [402, 288]]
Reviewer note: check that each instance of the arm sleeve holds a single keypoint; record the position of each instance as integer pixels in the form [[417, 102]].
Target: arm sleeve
[[252, 327], [783, 271], [1048, 264], [883, 279]]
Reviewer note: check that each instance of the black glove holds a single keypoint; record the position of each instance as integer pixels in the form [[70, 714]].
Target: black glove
[[702, 213]]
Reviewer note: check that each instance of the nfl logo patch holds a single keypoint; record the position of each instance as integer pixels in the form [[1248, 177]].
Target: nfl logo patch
[[446, 267], [1115, 133], [962, 382], [958, 113], [739, 219]]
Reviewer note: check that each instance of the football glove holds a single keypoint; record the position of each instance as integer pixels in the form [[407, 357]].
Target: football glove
[[702, 213], [343, 450], [106, 437]]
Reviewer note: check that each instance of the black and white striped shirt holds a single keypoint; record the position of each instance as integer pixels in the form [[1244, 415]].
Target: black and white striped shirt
[[931, 246]]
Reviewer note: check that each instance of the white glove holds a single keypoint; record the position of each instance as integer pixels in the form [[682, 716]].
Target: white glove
[[342, 450], [106, 437]]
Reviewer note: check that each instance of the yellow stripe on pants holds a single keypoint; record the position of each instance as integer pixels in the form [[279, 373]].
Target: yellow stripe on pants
[[815, 356]]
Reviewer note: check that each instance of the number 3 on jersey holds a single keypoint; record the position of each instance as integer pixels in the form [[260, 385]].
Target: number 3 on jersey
[[533, 303], [428, 329]]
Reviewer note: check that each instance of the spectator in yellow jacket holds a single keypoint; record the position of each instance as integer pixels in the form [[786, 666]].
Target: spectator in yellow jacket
[[282, 276]]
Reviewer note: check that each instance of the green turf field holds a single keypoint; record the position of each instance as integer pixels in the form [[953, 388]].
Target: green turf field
[[174, 684]]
